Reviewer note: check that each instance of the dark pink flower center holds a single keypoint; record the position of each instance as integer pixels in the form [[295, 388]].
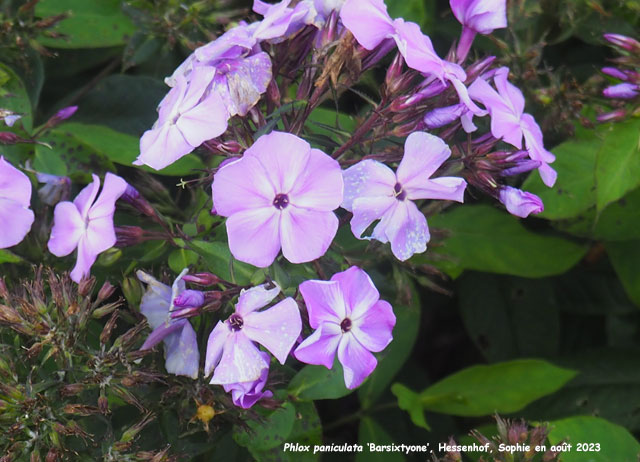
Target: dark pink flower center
[[236, 322], [281, 201], [399, 192], [345, 325]]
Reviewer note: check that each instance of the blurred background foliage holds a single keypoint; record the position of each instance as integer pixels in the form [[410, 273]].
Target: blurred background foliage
[[536, 319]]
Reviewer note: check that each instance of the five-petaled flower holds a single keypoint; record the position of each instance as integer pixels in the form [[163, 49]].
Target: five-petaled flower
[[180, 342], [86, 223], [349, 319], [373, 191], [509, 122], [280, 194], [15, 198], [231, 353]]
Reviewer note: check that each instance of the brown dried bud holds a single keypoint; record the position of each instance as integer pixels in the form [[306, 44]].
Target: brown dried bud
[[108, 328], [80, 409], [103, 405], [53, 455], [105, 291], [71, 389], [85, 287]]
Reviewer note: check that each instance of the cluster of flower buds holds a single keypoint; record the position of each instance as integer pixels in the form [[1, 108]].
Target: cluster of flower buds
[[626, 93]]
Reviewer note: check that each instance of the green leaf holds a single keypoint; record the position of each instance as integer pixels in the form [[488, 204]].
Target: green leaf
[[616, 443], [124, 149], [485, 239], [482, 390], [318, 382], [618, 162], [69, 156], [270, 431], [8, 257], [392, 358], [180, 259], [220, 262], [14, 96], [574, 191], [370, 431], [625, 258], [91, 24]]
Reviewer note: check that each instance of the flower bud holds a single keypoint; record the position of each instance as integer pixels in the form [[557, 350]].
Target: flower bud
[[521, 167], [621, 91], [614, 72], [613, 116], [9, 138], [624, 42], [478, 68], [129, 235], [203, 279], [85, 287], [520, 203], [105, 291]]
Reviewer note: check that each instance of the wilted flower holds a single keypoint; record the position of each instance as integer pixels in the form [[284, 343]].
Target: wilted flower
[[86, 223], [349, 319], [180, 342], [509, 122], [373, 191], [280, 194], [246, 394], [231, 353], [187, 116], [520, 203], [15, 198]]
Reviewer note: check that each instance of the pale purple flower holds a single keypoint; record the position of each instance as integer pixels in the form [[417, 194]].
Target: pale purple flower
[[9, 117], [520, 203], [477, 17], [15, 199], [281, 22], [187, 116], [280, 194], [373, 192], [622, 91], [509, 122], [349, 318], [180, 342], [246, 394], [231, 353], [370, 24], [86, 223]]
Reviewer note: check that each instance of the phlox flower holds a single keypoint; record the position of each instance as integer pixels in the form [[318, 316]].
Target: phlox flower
[[15, 198], [187, 116], [520, 203], [374, 192], [509, 122], [477, 17], [180, 343], [86, 223], [349, 319], [231, 353], [280, 194], [370, 24]]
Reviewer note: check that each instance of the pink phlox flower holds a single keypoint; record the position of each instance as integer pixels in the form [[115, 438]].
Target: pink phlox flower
[[246, 394], [86, 223], [187, 116], [510, 123], [349, 319], [15, 199], [279, 195], [374, 192], [179, 337], [231, 354]]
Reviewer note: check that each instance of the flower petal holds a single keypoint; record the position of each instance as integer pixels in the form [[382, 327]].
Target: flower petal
[[444, 188], [276, 329], [358, 363], [155, 301], [373, 329], [215, 345], [241, 361], [161, 332], [358, 290], [86, 258], [255, 298], [423, 155], [205, 121], [367, 178], [320, 187], [321, 346], [241, 185], [325, 302], [16, 222], [406, 228], [68, 227], [254, 236], [181, 352], [84, 199], [366, 210], [162, 146], [306, 234], [368, 21], [14, 184], [105, 205], [284, 158]]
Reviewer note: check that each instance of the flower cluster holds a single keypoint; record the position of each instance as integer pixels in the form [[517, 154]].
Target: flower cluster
[[627, 74]]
